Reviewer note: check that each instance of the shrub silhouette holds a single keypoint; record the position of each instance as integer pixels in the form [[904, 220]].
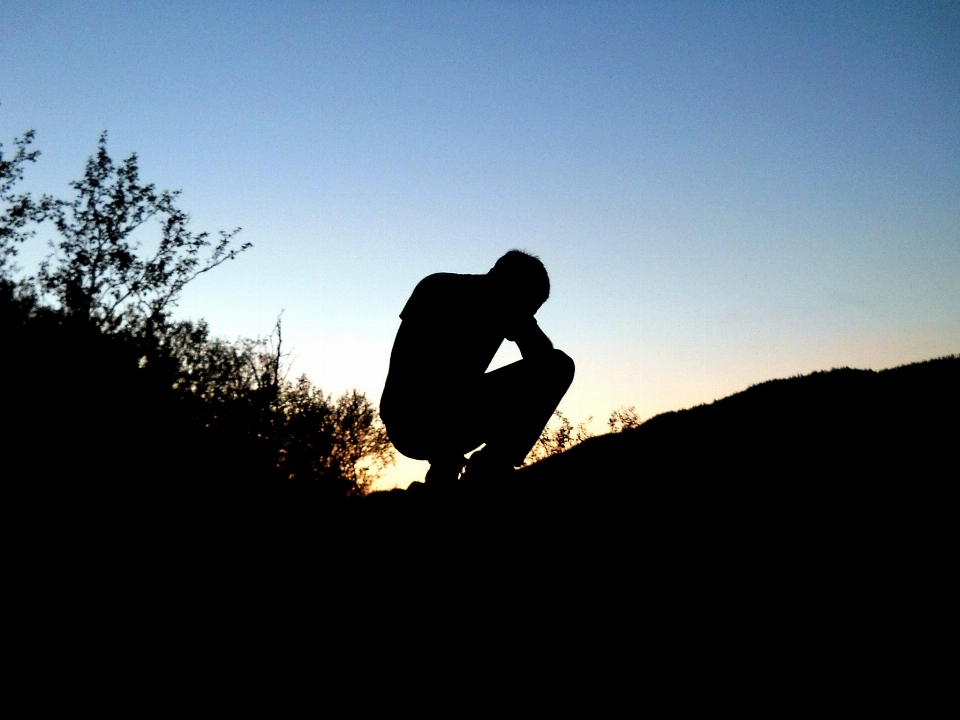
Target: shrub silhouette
[[558, 437], [111, 389], [340, 441], [98, 270], [623, 418], [19, 209]]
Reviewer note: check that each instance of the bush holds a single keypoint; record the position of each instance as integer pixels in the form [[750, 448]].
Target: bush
[[109, 387]]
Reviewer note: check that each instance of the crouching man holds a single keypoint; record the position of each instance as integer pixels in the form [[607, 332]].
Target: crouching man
[[440, 403]]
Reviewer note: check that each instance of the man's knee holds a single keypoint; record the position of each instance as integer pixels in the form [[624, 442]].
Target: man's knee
[[561, 366]]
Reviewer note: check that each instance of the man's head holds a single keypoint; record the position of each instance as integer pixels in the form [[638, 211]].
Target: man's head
[[522, 279]]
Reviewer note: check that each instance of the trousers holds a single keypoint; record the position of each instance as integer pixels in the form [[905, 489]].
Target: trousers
[[506, 409]]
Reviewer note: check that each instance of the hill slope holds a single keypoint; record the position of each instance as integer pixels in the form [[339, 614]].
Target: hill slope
[[802, 502], [825, 444], [842, 425]]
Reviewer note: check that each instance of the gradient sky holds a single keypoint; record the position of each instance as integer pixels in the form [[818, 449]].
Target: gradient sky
[[723, 193]]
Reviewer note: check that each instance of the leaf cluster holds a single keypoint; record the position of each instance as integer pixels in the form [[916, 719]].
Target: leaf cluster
[[623, 418], [340, 444], [340, 440], [16, 209], [136, 384], [98, 268], [558, 436]]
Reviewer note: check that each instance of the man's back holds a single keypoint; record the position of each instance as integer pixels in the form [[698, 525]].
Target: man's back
[[452, 327]]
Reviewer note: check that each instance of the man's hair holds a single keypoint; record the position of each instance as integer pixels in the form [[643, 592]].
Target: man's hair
[[526, 269]]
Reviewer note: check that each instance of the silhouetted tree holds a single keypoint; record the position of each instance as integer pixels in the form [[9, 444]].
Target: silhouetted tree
[[560, 434], [558, 437], [341, 445], [16, 210], [98, 270], [342, 442], [362, 448], [623, 418], [125, 393]]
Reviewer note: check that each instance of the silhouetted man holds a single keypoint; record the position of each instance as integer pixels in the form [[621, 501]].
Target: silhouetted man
[[440, 403]]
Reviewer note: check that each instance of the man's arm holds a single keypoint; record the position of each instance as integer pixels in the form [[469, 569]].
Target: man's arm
[[530, 338]]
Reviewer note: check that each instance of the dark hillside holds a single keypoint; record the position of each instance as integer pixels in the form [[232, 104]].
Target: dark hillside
[[813, 457], [842, 426], [801, 512], [812, 512], [829, 453]]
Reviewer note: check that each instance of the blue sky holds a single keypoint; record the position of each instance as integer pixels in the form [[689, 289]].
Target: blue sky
[[722, 192]]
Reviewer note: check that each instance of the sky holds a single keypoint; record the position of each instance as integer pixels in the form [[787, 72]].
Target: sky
[[722, 193]]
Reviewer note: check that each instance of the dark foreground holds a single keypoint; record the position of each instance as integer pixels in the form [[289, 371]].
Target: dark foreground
[[844, 451], [819, 501]]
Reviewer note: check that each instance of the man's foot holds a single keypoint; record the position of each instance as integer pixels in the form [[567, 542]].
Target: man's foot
[[485, 467], [444, 472]]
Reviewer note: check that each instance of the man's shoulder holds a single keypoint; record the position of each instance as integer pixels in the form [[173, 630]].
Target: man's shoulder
[[438, 291], [450, 280]]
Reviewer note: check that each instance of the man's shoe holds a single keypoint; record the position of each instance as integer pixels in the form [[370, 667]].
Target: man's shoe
[[444, 473], [484, 468]]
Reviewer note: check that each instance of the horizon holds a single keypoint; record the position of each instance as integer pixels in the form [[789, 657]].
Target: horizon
[[722, 196]]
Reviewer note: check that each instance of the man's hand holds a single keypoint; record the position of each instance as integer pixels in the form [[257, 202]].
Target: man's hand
[[530, 338]]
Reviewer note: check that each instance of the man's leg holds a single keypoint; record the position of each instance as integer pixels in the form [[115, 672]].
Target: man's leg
[[517, 401], [507, 410], [424, 432]]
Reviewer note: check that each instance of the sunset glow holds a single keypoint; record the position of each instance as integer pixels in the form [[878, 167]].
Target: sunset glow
[[722, 193]]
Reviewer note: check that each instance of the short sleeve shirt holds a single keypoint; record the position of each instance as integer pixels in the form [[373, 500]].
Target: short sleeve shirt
[[451, 330]]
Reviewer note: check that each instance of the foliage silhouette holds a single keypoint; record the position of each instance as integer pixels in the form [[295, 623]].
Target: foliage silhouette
[[116, 392], [339, 441], [558, 438], [18, 209], [563, 435], [243, 391], [98, 269], [623, 418]]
